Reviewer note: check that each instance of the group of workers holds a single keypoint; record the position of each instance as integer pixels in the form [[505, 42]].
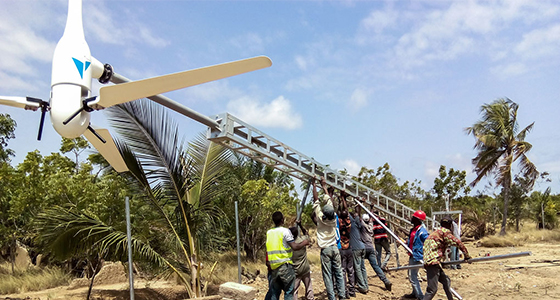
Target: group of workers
[[347, 240]]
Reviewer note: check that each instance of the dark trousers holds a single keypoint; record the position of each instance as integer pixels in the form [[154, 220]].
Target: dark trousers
[[348, 270], [282, 279], [435, 275]]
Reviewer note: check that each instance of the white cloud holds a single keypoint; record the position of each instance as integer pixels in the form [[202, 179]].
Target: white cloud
[[443, 35], [456, 161], [213, 91], [466, 27], [379, 20], [509, 70], [358, 99], [104, 25], [550, 166], [249, 42], [540, 43], [431, 170], [15, 83], [301, 62], [23, 44], [278, 113], [351, 166], [459, 162]]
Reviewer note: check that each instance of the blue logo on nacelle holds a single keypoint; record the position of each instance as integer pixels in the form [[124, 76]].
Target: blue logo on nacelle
[[80, 66]]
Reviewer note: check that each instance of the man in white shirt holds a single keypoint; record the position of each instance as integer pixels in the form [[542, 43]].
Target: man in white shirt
[[326, 239]]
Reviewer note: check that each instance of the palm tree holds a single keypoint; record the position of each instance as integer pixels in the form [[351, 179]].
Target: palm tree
[[179, 182], [500, 143], [67, 233]]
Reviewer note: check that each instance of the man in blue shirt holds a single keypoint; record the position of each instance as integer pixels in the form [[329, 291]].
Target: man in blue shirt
[[358, 250], [418, 234]]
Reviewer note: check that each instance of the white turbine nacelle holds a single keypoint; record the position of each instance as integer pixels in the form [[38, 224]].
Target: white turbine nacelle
[[72, 69], [71, 102]]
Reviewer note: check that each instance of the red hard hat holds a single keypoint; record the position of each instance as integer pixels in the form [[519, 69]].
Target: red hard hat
[[420, 215]]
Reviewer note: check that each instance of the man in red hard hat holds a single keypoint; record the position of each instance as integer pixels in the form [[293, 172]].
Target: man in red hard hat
[[416, 238]]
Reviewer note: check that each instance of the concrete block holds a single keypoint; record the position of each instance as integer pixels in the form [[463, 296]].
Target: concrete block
[[238, 291]]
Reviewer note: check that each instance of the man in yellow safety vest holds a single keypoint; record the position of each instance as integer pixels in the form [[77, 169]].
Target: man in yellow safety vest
[[279, 246]]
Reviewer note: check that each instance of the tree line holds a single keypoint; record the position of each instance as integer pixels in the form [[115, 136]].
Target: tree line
[[69, 206]]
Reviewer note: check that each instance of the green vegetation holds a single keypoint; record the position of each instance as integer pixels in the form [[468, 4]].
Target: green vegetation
[[71, 209], [500, 143]]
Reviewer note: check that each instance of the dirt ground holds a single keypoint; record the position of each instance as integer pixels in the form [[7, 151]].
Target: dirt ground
[[529, 277], [512, 279]]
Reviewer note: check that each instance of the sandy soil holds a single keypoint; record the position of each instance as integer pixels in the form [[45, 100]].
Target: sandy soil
[[502, 279], [512, 279]]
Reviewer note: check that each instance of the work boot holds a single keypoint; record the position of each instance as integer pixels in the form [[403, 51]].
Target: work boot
[[410, 296], [388, 286]]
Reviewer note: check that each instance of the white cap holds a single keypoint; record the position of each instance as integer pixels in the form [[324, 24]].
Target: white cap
[[365, 217]]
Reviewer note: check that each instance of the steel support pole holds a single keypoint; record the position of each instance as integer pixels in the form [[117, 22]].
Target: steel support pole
[[472, 260], [302, 205], [238, 246], [129, 242], [384, 227], [454, 292], [542, 214], [396, 251], [173, 105]]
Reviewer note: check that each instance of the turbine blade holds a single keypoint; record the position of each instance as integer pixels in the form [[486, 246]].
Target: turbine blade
[[108, 149], [125, 92], [21, 102]]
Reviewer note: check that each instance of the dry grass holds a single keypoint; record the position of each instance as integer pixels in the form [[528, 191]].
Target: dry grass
[[525, 236], [226, 269], [314, 258], [31, 280]]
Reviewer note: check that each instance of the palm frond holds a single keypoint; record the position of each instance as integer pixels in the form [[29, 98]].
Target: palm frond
[[209, 162], [69, 233], [148, 131]]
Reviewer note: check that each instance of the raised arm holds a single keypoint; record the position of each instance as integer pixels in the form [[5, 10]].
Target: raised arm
[[343, 204], [303, 230], [358, 208], [324, 185], [315, 194]]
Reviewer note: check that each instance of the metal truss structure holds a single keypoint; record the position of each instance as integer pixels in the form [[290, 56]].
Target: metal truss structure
[[255, 144]]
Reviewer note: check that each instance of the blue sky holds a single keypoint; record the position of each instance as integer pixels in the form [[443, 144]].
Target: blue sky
[[353, 83]]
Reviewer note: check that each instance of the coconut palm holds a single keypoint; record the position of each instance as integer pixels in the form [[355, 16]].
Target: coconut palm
[[180, 182], [500, 143], [67, 233]]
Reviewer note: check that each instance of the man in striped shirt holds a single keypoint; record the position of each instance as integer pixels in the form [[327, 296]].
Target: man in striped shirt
[[434, 249], [381, 240]]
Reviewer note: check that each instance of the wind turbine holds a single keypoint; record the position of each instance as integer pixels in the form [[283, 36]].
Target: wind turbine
[[71, 100]]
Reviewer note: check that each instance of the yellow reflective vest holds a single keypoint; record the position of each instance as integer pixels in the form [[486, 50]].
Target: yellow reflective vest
[[277, 253]]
